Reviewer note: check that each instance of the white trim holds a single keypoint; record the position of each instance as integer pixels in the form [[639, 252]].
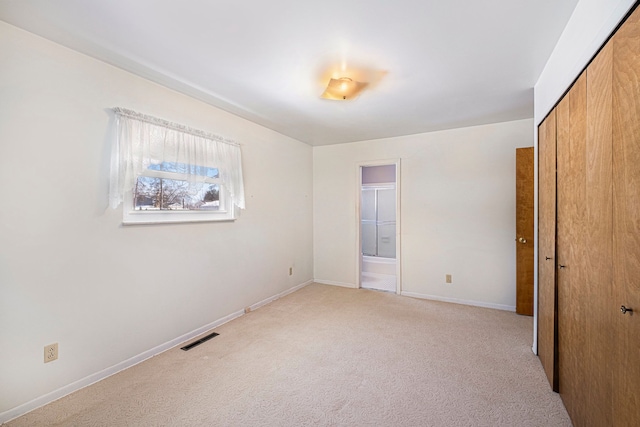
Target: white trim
[[536, 212], [280, 295], [332, 283], [101, 375], [131, 216], [460, 301]]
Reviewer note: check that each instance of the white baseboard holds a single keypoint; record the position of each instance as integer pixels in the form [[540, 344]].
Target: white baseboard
[[280, 295], [332, 283], [98, 376], [460, 301]]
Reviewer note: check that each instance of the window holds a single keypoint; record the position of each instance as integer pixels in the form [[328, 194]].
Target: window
[[163, 172], [163, 193], [166, 187]]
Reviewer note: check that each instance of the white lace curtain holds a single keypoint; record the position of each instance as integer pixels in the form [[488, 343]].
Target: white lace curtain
[[145, 140]]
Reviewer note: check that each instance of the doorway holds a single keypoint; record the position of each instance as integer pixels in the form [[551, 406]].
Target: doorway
[[378, 227]]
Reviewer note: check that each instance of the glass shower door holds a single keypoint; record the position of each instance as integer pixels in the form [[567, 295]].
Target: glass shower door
[[378, 221], [386, 223], [368, 222]]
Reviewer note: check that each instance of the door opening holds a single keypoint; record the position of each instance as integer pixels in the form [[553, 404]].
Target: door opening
[[378, 228]]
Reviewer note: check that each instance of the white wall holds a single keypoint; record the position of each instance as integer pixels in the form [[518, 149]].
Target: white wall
[[591, 23], [457, 211], [71, 273]]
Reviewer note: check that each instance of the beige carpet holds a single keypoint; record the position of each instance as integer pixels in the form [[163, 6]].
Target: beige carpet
[[333, 356]]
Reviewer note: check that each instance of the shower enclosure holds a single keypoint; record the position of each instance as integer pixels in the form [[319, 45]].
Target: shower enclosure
[[378, 220]]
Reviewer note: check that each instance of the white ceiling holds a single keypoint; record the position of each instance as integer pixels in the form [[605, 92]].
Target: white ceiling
[[431, 64]]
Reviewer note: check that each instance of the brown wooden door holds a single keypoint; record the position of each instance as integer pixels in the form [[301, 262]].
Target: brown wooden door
[[573, 305], [524, 231], [626, 223], [598, 245], [547, 291]]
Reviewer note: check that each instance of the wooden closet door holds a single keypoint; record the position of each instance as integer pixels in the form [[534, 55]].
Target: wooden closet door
[[547, 291], [626, 222], [573, 306], [599, 244]]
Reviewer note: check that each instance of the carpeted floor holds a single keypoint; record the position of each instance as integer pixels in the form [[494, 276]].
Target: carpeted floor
[[333, 356]]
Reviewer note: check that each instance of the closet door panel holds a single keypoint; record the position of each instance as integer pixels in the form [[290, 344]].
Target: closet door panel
[[572, 302], [547, 325], [599, 244], [566, 381], [626, 221]]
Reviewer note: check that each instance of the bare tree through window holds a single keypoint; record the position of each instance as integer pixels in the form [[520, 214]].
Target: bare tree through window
[[153, 193]]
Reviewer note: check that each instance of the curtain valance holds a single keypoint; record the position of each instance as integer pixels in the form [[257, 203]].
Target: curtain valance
[[144, 140]]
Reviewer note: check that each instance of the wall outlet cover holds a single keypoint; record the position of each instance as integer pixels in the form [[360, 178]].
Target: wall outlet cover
[[50, 352]]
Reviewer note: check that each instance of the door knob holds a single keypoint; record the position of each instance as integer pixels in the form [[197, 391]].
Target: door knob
[[624, 310], [547, 258], [522, 240], [562, 266]]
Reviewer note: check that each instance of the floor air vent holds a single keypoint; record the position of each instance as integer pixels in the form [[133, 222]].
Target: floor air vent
[[198, 342]]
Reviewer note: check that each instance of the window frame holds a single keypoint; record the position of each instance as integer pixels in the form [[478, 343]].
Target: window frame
[[132, 216]]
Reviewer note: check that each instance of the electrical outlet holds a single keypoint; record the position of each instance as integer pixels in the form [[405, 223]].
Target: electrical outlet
[[448, 278], [290, 271], [50, 352]]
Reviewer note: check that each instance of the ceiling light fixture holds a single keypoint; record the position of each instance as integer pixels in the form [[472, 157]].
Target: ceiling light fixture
[[343, 89]]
